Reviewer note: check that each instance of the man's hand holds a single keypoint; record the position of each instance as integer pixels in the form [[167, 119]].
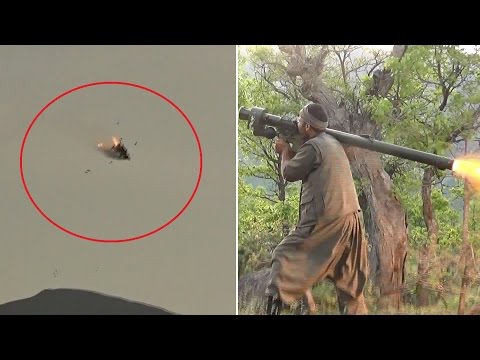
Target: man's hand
[[281, 146]]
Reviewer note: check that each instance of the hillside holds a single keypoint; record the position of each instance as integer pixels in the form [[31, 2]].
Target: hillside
[[77, 302]]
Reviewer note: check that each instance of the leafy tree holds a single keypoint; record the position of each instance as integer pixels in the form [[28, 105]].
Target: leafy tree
[[432, 103], [268, 205]]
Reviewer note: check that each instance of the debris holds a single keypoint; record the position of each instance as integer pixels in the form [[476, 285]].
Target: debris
[[119, 148], [116, 151]]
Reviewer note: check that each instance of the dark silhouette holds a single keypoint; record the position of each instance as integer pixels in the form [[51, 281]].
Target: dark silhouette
[[77, 302], [119, 153], [121, 150]]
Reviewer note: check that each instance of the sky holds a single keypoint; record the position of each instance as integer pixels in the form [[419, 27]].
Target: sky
[[467, 48]]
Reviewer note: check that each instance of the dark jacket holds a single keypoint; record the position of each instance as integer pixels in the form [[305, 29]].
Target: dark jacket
[[328, 189]]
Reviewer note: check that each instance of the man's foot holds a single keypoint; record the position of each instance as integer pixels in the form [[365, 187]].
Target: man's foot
[[303, 308], [274, 305]]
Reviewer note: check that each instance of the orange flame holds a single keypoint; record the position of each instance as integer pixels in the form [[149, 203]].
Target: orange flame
[[468, 168], [104, 145]]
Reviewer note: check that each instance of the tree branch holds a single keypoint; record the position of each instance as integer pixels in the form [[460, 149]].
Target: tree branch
[[266, 198], [274, 88]]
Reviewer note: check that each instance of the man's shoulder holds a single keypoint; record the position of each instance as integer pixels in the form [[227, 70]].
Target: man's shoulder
[[319, 138], [323, 138], [308, 146], [316, 141]]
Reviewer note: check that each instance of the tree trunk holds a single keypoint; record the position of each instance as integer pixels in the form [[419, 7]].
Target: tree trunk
[[428, 250], [282, 185], [384, 223], [384, 216], [466, 256]]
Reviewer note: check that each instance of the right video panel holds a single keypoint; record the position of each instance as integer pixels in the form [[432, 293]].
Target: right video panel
[[358, 175]]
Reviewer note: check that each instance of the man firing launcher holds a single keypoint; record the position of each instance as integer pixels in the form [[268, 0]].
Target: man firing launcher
[[328, 241], [297, 258]]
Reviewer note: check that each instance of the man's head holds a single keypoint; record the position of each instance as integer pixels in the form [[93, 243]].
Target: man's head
[[312, 121]]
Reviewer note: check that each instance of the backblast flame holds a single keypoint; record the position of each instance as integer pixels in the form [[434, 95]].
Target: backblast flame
[[468, 168]]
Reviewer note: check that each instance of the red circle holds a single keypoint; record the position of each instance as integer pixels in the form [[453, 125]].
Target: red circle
[[112, 240]]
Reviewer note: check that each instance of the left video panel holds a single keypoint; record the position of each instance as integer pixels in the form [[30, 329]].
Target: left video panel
[[119, 180]]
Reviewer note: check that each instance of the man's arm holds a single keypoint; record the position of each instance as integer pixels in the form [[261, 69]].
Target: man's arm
[[287, 154], [297, 166]]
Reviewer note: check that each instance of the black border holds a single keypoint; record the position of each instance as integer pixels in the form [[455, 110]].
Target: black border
[[244, 28]]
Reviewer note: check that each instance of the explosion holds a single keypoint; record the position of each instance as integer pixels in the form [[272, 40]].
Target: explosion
[[468, 168], [116, 151]]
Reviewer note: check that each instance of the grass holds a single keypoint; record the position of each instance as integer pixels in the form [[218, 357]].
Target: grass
[[443, 285]]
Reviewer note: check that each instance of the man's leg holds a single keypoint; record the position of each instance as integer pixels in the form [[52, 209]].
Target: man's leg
[[287, 246], [351, 272], [306, 305], [311, 302], [349, 305], [274, 304], [303, 258]]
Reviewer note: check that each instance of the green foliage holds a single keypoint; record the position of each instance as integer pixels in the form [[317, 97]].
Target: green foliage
[[435, 91], [263, 214], [448, 218], [260, 223]]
